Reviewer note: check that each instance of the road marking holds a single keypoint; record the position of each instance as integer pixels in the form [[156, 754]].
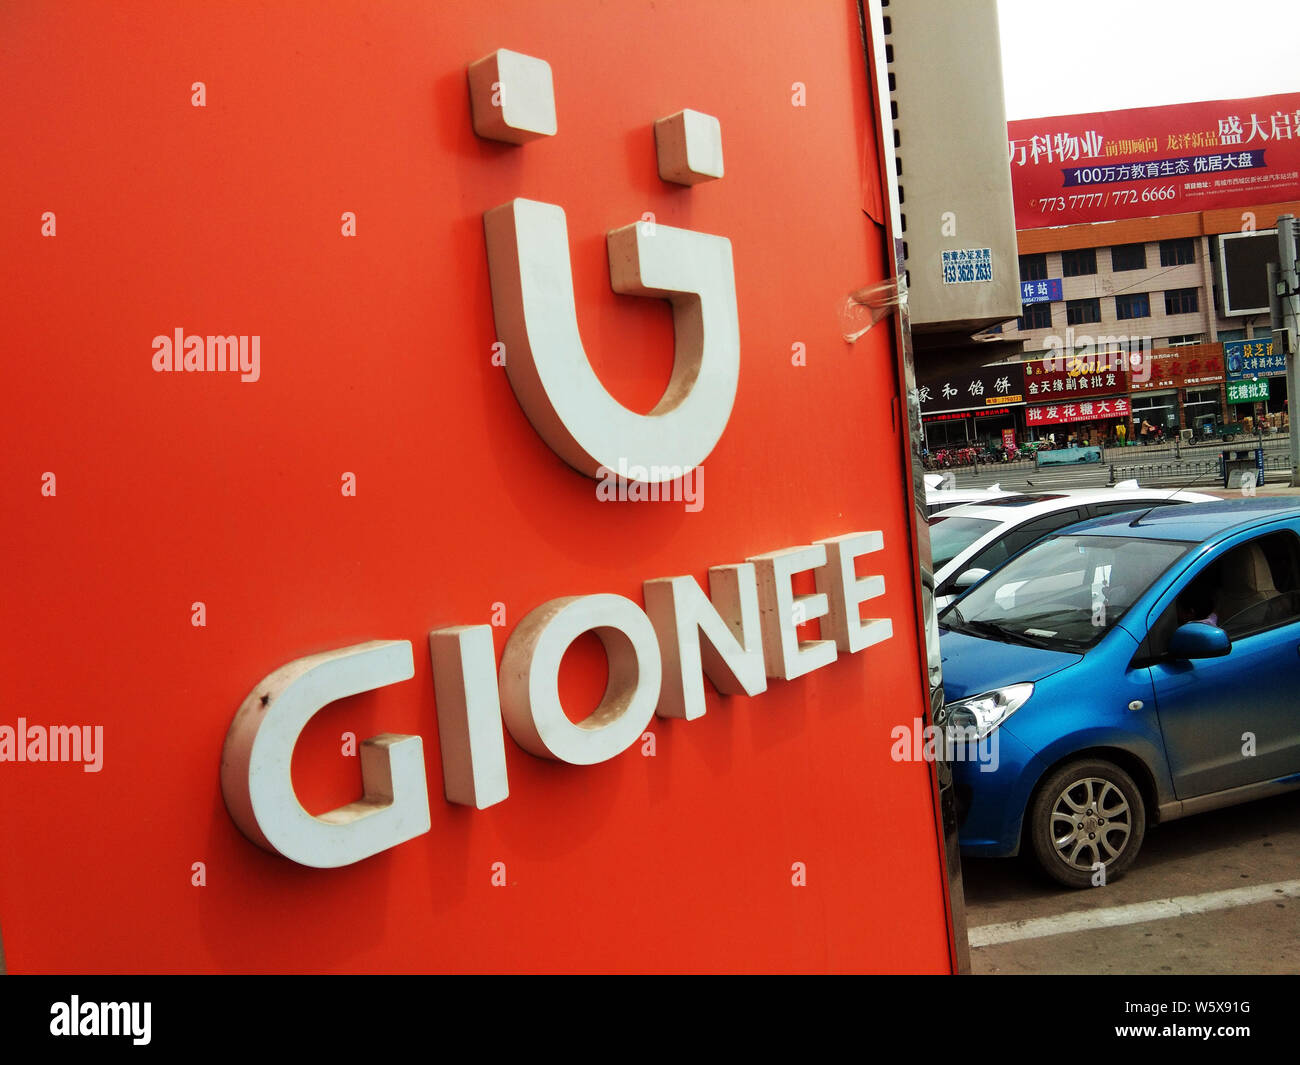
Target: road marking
[[1136, 913]]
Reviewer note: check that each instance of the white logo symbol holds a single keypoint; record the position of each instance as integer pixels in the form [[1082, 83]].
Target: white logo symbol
[[536, 315]]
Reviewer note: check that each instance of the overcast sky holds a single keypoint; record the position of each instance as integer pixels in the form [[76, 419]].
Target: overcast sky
[[1105, 55]]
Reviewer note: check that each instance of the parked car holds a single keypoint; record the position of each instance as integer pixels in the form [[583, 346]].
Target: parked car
[[967, 542], [938, 498], [1126, 671]]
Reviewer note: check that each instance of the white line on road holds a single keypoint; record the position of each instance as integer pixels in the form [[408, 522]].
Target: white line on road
[[1137, 913]]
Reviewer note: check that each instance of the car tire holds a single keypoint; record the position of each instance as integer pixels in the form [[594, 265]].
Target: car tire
[[1103, 810]]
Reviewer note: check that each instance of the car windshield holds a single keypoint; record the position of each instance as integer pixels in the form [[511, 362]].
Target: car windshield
[[1064, 593], [950, 536]]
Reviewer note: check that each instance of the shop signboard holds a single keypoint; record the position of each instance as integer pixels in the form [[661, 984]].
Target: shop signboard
[[1248, 391], [1252, 358], [1043, 291], [973, 389], [1193, 366], [1084, 411], [1075, 378]]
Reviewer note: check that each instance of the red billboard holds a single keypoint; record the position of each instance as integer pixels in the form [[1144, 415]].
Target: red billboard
[[1148, 161], [328, 640]]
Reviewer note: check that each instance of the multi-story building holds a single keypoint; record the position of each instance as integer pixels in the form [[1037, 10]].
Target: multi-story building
[[1139, 300]]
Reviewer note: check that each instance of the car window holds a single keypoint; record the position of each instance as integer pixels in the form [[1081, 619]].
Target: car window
[[1118, 506], [1024, 535], [1001, 549], [1249, 589], [1065, 592], [950, 536]]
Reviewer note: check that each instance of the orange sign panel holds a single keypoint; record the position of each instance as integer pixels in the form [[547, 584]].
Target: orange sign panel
[[312, 354]]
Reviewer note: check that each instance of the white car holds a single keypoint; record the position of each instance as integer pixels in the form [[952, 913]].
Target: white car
[[969, 541], [938, 498]]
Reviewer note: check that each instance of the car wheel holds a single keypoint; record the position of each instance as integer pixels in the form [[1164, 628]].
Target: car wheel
[[1087, 812]]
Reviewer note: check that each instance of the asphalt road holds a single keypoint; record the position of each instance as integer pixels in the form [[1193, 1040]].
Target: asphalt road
[[1251, 851]]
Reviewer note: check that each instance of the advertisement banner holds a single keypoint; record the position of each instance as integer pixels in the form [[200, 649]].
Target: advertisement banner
[[1155, 160]]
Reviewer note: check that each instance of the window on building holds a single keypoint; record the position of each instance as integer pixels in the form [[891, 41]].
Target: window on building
[[1035, 316], [1232, 334], [1181, 301], [1178, 252], [1160, 409], [1079, 312], [1186, 338], [1074, 263], [1033, 267], [1202, 407], [1132, 305], [1128, 257]]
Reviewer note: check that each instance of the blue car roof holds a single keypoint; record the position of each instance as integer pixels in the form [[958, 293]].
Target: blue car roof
[[1191, 522]]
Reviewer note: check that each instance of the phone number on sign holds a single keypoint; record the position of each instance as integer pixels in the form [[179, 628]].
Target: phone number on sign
[[1113, 198]]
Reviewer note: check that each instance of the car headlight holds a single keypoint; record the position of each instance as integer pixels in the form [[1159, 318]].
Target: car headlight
[[979, 715]]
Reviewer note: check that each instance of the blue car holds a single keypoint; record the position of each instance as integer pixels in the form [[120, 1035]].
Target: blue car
[[1125, 671]]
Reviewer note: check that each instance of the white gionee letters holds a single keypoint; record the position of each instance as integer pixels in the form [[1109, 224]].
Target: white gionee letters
[[696, 637], [469, 716], [255, 763], [530, 669], [536, 318], [742, 633], [786, 656], [838, 581]]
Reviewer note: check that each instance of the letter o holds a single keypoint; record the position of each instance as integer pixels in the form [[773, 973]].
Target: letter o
[[529, 679]]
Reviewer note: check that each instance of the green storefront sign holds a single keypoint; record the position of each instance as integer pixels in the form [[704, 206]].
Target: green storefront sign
[[1248, 391]]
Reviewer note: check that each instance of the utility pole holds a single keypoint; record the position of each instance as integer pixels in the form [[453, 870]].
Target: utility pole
[[1284, 338]]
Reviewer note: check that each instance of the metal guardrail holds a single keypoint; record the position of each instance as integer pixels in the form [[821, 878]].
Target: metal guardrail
[[1196, 471], [1170, 462]]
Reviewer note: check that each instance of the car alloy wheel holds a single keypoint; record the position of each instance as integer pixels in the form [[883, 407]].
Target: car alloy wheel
[[1087, 816]]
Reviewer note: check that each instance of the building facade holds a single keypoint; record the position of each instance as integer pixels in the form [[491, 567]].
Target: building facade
[[1123, 322]]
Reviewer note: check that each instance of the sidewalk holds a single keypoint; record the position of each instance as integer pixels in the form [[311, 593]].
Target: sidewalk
[[1262, 490]]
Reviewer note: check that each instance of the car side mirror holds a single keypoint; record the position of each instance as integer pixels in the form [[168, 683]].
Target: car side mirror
[[969, 577], [1199, 640]]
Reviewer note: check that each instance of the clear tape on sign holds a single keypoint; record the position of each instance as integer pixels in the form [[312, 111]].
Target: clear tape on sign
[[865, 307]]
